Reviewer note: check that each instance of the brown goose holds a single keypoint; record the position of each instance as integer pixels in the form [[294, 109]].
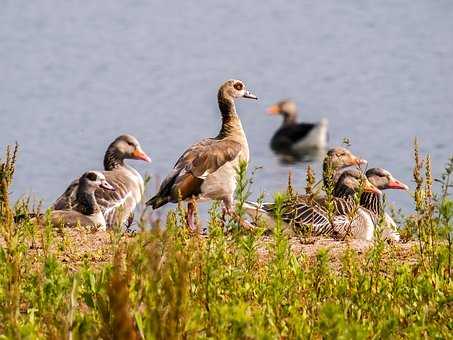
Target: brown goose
[[206, 170], [116, 205], [294, 138], [335, 162], [348, 218], [86, 211]]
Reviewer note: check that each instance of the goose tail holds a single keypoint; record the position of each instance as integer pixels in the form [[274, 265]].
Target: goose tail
[[258, 212], [157, 201]]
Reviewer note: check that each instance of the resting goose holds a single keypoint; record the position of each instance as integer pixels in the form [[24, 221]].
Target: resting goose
[[207, 169], [294, 138], [117, 205], [86, 211], [348, 218], [383, 180], [335, 162]]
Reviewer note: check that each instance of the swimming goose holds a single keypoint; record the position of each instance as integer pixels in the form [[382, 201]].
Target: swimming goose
[[86, 211], [207, 169], [116, 205], [335, 162], [294, 138]]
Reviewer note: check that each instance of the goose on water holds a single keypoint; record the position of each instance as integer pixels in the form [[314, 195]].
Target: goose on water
[[294, 138], [85, 211], [116, 206], [207, 169]]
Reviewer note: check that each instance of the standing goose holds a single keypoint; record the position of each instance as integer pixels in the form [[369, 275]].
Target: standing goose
[[207, 169], [294, 138], [85, 211], [117, 205], [335, 162]]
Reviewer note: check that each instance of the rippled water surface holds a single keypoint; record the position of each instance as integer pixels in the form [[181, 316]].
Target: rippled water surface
[[75, 75]]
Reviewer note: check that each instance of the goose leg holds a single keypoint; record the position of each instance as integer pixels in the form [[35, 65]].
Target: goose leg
[[229, 209], [191, 215]]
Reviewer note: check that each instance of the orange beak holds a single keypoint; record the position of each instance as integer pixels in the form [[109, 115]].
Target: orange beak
[[360, 161], [368, 187], [139, 154], [395, 184], [273, 110]]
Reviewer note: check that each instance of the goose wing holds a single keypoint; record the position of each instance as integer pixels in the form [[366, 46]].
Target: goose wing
[[286, 136], [67, 198], [118, 205], [193, 167]]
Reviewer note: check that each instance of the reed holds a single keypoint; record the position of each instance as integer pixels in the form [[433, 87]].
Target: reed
[[164, 283]]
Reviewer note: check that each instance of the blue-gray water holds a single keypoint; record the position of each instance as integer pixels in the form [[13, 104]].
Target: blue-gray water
[[76, 74]]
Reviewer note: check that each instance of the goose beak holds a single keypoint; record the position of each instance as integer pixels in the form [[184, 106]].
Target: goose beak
[[140, 154], [273, 110], [107, 186], [395, 184], [249, 95], [359, 161], [368, 187]]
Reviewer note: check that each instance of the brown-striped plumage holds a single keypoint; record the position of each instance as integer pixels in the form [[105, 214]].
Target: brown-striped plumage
[[347, 217], [117, 205], [206, 170], [307, 210]]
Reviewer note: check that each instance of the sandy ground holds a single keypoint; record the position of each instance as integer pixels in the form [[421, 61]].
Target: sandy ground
[[402, 252], [78, 246]]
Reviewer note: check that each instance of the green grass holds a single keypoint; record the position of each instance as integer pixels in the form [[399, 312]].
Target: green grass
[[165, 284]]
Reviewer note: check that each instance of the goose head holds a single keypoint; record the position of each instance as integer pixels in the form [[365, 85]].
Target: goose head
[[339, 158], [91, 180], [234, 89], [285, 108], [383, 179], [128, 147], [351, 181]]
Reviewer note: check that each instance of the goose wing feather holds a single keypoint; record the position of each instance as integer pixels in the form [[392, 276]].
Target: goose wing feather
[[286, 136], [67, 198], [193, 167]]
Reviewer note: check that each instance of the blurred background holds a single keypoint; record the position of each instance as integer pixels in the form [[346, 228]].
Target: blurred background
[[74, 75]]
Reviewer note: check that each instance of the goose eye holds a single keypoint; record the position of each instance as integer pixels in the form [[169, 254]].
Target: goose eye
[[238, 86], [92, 176], [130, 143]]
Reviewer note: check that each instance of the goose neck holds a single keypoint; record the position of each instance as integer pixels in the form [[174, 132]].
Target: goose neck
[[342, 191], [86, 202], [231, 124], [371, 201], [113, 159], [289, 119]]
